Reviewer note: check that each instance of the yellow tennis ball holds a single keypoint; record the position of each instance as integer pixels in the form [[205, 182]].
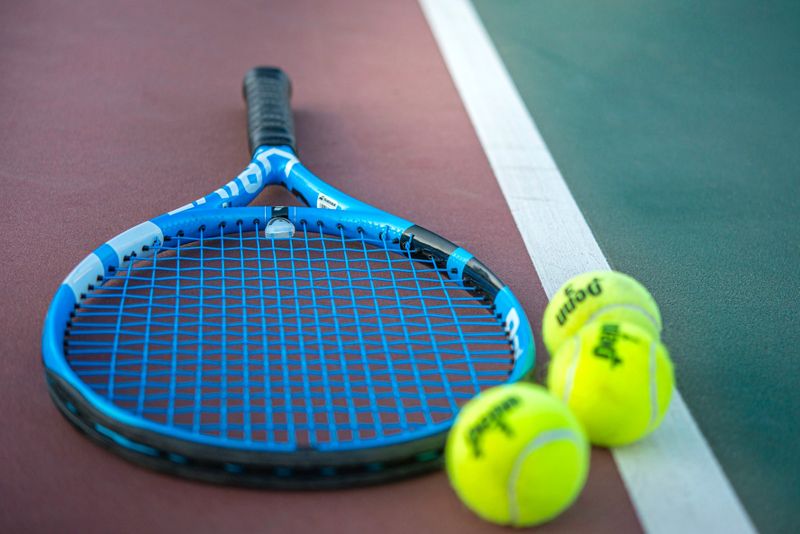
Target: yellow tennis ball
[[516, 455], [616, 378], [595, 296]]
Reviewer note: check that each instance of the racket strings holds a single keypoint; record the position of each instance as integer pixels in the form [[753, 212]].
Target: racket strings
[[314, 341]]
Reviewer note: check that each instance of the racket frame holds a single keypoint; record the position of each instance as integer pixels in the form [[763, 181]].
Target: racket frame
[[214, 459]]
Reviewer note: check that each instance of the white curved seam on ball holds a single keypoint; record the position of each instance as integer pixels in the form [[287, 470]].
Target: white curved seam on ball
[[571, 370], [653, 386], [631, 307], [540, 441]]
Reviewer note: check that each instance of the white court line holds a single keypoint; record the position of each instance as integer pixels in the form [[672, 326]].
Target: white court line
[[673, 478]]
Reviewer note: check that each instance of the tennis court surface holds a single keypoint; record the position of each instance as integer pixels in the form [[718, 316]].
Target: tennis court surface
[[547, 138]]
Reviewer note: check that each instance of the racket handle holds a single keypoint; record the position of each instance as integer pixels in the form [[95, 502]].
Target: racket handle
[[267, 91]]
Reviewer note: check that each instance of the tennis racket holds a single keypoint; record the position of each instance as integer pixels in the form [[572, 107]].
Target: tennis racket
[[291, 347]]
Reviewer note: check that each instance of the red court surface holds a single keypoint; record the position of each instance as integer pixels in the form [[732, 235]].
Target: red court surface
[[115, 112]]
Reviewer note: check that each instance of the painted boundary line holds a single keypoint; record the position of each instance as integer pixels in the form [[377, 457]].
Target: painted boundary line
[[673, 478]]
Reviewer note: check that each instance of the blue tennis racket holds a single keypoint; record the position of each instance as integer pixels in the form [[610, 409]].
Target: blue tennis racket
[[292, 347]]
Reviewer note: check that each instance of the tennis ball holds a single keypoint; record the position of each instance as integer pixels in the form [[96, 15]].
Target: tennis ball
[[598, 295], [616, 378], [516, 455]]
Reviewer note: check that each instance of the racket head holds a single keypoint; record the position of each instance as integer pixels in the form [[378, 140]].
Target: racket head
[[84, 333]]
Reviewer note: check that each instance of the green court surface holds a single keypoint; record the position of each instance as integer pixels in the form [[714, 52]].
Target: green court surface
[[676, 129]]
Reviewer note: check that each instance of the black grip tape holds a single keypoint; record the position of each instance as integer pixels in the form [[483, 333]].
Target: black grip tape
[[267, 91]]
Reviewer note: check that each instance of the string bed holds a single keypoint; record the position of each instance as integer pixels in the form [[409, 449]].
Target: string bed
[[315, 341]]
